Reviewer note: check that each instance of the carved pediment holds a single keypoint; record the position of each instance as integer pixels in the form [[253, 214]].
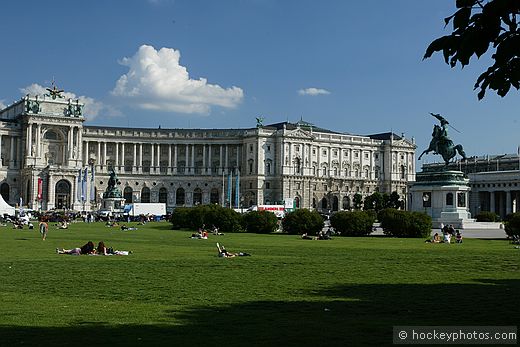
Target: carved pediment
[[300, 134]]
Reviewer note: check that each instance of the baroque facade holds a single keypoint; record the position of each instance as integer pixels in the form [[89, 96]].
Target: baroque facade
[[44, 146]]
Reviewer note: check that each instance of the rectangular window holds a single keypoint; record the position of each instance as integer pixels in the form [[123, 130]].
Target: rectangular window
[[267, 185], [268, 148]]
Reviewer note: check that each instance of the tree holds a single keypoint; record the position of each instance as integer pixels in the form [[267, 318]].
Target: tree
[[393, 201], [354, 223], [357, 201], [260, 222], [477, 24], [373, 202], [302, 221]]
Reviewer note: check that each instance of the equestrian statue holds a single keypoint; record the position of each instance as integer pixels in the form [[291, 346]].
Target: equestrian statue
[[441, 143]]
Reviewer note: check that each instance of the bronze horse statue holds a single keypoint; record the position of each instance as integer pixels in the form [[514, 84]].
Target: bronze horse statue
[[442, 144]]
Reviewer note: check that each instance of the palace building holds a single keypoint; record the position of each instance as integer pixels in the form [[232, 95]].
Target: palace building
[[50, 159]]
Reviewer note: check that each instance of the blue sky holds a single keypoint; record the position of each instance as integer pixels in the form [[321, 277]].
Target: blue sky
[[350, 66]]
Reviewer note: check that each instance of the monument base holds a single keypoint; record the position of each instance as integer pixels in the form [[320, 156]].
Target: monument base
[[115, 205], [443, 195]]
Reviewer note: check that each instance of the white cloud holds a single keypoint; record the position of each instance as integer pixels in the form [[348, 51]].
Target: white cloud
[[313, 91], [157, 81], [92, 107]]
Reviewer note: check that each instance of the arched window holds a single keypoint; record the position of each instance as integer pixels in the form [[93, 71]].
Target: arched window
[[214, 197], [180, 197], [145, 194], [313, 202], [335, 203], [127, 194], [197, 196], [324, 203], [297, 202], [163, 195], [4, 191], [297, 164], [346, 203], [62, 195]]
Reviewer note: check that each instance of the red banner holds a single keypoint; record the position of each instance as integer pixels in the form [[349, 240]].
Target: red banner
[[40, 188]]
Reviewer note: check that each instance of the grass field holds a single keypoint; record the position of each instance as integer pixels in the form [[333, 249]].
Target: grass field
[[175, 291]]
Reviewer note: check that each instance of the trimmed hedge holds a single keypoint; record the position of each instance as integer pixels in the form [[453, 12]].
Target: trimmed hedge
[[260, 222], [512, 224], [487, 216], [227, 220], [399, 223], [302, 221], [355, 223]]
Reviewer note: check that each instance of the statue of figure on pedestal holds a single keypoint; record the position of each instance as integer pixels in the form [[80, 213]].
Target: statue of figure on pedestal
[[441, 143]]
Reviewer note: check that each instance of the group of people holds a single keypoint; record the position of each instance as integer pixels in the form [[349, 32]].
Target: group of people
[[90, 249], [448, 232]]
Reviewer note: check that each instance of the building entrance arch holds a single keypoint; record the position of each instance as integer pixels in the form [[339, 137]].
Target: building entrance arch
[[63, 194]]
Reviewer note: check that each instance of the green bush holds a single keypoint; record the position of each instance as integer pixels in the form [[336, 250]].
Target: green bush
[[512, 224], [399, 223], [302, 221], [487, 216], [355, 223], [227, 220], [260, 222]]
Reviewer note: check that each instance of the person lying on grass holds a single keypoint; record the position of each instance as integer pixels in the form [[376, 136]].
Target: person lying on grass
[[222, 252], [87, 248], [103, 250]]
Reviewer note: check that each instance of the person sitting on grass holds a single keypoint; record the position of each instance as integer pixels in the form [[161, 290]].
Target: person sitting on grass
[[222, 252], [435, 239], [125, 228], [306, 236], [103, 250], [458, 237], [87, 248]]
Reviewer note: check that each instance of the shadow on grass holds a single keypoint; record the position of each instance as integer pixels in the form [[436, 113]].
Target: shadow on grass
[[351, 315]]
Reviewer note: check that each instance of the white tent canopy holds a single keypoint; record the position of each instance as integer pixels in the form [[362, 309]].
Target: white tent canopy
[[5, 207]]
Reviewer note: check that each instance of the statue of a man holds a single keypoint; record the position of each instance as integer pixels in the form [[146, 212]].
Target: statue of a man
[[112, 181]]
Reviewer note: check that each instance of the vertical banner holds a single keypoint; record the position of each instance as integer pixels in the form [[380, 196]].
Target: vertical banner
[[92, 185], [84, 185], [40, 189], [237, 190], [78, 186], [229, 189]]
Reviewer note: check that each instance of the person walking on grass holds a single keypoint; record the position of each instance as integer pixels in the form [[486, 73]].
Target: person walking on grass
[[44, 227]]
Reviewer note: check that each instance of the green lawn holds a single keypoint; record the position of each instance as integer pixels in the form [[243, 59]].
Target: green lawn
[[175, 291]]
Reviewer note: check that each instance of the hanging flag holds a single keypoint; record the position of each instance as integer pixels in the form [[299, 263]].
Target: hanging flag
[[229, 188], [78, 186], [92, 185], [40, 188], [237, 190], [84, 185]]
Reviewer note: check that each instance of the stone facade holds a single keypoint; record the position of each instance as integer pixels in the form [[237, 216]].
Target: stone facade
[[43, 142]]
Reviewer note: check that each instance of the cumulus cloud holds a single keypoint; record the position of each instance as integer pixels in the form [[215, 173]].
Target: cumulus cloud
[[313, 91], [157, 81], [92, 108]]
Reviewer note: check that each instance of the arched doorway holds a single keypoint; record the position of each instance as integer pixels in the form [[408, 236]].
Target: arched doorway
[[163, 195], [127, 194], [214, 197], [197, 196], [180, 197], [4, 191], [62, 195], [346, 203], [145, 194], [324, 203], [335, 203]]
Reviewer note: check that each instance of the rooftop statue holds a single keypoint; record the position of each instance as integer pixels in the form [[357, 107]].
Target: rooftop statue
[[259, 122], [441, 143], [55, 92]]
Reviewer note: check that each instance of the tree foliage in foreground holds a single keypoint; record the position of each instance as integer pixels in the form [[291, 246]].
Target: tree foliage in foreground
[[260, 222], [477, 24]]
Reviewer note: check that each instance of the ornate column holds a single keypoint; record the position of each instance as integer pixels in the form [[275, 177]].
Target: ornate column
[[85, 158], [152, 160], [209, 165], [38, 140], [28, 150], [186, 157], [122, 163], [105, 157], [221, 159], [140, 167], [70, 142], [134, 160], [508, 202], [492, 201], [227, 159], [98, 155], [116, 164], [204, 159], [158, 170], [193, 159], [169, 170], [175, 151], [11, 154]]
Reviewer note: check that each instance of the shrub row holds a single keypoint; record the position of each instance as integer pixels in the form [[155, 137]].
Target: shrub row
[[399, 223], [486, 216], [355, 223]]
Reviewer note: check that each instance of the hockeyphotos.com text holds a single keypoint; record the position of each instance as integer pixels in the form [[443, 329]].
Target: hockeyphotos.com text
[[455, 334]]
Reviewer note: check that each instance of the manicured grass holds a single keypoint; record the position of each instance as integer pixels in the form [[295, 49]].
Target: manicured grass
[[175, 291]]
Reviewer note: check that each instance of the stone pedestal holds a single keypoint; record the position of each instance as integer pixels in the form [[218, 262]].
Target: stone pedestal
[[443, 195], [116, 205]]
